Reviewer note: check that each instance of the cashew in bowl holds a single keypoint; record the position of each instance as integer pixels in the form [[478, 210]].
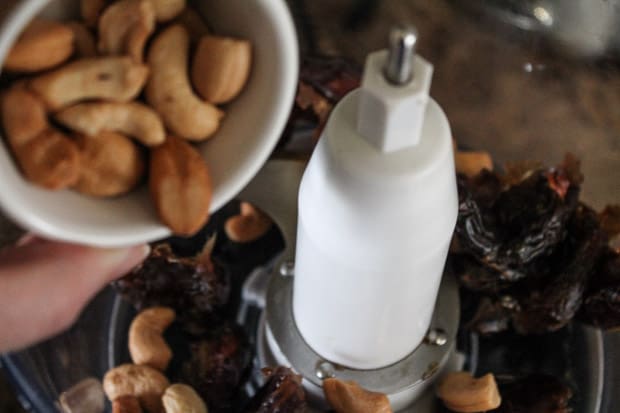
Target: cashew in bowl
[[125, 26], [180, 186], [461, 392], [169, 91], [132, 119], [146, 344], [181, 398], [23, 115], [83, 40], [143, 382], [168, 9], [91, 10], [112, 165], [111, 78], [221, 68], [43, 45], [194, 23], [349, 397], [45, 156], [50, 160]]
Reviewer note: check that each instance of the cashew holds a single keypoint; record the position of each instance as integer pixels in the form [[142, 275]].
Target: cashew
[[181, 398], [111, 78], [221, 68], [83, 40], [84, 397], [23, 115], [180, 186], [43, 45], [146, 344], [168, 9], [472, 163], [143, 382], [349, 397], [461, 392], [132, 119], [45, 156], [125, 26], [126, 404], [194, 23], [248, 226], [90, 11], [111, 165], [50, 160], [169, 91]]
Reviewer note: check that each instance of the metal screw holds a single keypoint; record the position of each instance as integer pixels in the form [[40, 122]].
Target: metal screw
[[325, 370], [287, 269], [399, 66], [437, 337]]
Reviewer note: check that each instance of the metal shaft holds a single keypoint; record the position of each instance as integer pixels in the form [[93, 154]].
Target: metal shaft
[[399, 66]]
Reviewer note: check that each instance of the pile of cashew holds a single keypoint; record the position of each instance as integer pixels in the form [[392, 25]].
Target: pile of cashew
[[142, 385], [118, 100]]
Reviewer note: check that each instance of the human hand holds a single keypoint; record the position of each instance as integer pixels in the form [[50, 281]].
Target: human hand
[[45, 284]]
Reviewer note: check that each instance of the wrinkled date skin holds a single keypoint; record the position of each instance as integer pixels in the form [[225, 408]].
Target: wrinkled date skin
[[509, 230], [217, 366], [555, 305], [197, 288], [601, 305], [282, 393], [531, 251], [323, 81]]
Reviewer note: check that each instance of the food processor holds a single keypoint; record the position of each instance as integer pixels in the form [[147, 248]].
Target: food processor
[[292, 312]]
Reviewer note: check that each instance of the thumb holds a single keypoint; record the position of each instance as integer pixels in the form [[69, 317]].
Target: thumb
[[44, 285]]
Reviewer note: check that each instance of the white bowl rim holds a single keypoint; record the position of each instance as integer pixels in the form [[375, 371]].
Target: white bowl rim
[[21, 12]]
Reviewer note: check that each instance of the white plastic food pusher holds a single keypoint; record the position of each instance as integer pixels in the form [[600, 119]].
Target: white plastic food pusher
[[377, 207]]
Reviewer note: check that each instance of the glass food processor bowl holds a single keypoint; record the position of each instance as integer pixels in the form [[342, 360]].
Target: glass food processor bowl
[[506, 89]]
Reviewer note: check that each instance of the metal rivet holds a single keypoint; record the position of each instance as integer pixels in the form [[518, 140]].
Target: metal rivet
[[325, 370], [287, 269], [437, 337]]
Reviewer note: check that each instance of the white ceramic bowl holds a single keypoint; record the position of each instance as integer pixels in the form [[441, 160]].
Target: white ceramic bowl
[[247, 136]]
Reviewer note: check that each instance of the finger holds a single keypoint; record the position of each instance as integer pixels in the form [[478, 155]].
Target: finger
[[44, 285]]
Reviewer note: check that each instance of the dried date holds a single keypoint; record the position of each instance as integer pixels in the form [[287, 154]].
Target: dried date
[[537, 393], [217, 366], [197, 288], [553, 306], [509, 230], [601, 306], [282, 393]]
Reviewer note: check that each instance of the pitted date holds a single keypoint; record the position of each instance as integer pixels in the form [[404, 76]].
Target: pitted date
[[282, 393], [197, 288], [538, 393], [217, 366], [601, 306]]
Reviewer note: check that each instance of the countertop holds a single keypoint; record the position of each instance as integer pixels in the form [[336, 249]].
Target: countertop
[[501, 90]]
